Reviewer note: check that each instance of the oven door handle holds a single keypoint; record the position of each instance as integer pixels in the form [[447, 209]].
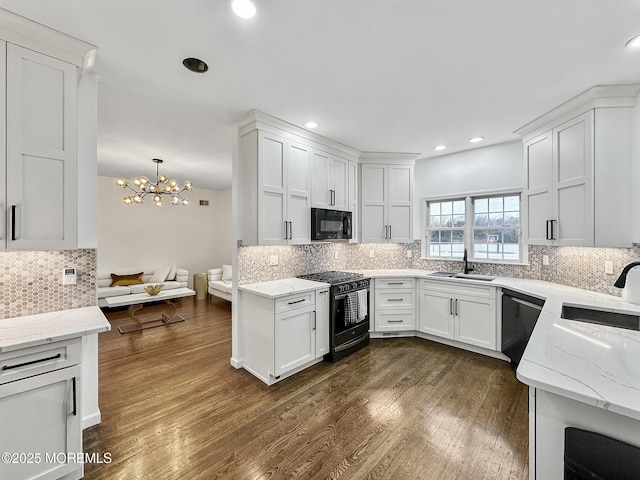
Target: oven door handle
[[350, 343], [344, 295]]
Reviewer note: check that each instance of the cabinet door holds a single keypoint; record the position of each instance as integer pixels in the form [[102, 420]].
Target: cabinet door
[[320, 183], [295, 339], [340, 184], [400, 201], [272, 195], [573, 178], [374, 203], [539, 197], [436, 313], [43, 415], [3, 147], [41, 151], [352, 204], [322, 322], [298, 194], [475, 321]]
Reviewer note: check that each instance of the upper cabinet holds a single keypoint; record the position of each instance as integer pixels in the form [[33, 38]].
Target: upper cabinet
[[282, 171], [386, 198], [41, 79], [329, 181], [578, 166]]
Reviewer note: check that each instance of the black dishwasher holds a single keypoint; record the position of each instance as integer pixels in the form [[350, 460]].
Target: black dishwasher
[[520, 313]]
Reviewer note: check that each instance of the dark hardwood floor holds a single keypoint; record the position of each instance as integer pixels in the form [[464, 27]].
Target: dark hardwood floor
[[173, 408]]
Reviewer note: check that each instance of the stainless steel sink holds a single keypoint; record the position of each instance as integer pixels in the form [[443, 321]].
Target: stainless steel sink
[[601, 317], [466, 276]]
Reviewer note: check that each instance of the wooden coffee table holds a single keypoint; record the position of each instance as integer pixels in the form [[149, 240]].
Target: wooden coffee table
[[137, 300]]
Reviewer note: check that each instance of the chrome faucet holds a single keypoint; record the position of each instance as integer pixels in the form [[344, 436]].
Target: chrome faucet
[[467, 268]]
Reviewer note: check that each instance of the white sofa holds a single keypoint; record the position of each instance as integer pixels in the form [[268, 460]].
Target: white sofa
[[175, 277], [219, 282]]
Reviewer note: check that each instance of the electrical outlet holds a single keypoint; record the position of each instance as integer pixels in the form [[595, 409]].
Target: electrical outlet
[[545, 259], [335, 255], [409, 254], [371, 253], [608, 267], [273, 260]]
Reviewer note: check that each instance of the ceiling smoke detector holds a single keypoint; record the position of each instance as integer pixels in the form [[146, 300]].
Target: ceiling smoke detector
[[195, 65]]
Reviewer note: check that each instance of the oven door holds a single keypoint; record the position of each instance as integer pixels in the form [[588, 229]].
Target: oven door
[[330, 224], [340, 324]]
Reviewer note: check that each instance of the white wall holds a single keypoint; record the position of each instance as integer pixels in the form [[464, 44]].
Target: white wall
[[636, 172], [145, 237], [483, 169]]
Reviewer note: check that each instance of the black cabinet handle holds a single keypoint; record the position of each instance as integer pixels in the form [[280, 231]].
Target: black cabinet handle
[[553, 234], [290, 230], [18, 365], [75, 398], [13, 222], [297, 301], [389, 232], [395, 321], [451, 306]]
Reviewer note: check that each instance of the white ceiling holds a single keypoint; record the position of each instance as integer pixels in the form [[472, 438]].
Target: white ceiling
[[383, 75]]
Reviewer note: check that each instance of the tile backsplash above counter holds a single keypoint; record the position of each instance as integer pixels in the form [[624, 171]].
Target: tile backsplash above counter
[[581, 267]]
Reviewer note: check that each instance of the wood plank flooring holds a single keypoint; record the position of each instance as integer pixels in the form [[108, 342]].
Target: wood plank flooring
[[173, 408]]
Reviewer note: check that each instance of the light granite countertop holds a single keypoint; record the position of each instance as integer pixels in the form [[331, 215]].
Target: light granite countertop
[[594, 364], [43, 328], [281, 288]]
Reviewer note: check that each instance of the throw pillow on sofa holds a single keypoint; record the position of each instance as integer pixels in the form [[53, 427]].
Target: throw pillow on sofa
[[124, 280], [227, 273], [160, 275]]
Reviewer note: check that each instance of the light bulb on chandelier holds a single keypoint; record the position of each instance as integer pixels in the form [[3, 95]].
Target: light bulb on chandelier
[[142, 186]]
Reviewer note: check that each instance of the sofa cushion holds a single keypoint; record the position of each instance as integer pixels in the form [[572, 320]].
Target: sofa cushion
[[104, 292], [172, 272], [123, 280], [160, 275], [227, 272], [225, 287]]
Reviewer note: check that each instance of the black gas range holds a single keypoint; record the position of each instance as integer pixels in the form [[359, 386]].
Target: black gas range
[[348, 311]]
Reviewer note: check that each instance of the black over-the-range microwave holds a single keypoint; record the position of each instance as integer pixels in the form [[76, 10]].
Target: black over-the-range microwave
[[330, 224]]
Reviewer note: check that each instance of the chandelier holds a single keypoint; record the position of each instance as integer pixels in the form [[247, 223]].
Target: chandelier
[[142, 186]]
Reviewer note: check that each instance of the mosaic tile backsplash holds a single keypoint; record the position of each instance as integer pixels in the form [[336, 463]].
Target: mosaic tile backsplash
[[580, 267], [30, 282]]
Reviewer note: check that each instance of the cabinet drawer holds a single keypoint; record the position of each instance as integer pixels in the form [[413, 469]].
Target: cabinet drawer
[[395, 321], [401, 299], [385, 283], [293, 302], [30, 361], [455, 288]]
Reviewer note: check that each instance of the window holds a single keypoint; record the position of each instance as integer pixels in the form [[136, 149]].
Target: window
[[487, 226], [446, 228], [496, 228]]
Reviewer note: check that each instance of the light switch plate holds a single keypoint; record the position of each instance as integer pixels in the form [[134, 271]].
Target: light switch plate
[[409, 254], [545, 259], [69, 276], [371, 253], [273, 260], [608, 267]]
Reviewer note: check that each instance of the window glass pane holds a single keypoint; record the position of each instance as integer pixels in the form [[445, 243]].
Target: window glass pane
[[458, 207], [447, 221], [481, 205], [495, 219], [457, 236], [458, 220], [435, 222], [457, 250], [445, 236], [434, 236], [511, 247], [434, 249], [447, 208], [512, 219], [445, 250], [511, 204], [494, 244], [480, 244], [495, 204], [434, 208], [481, 220]]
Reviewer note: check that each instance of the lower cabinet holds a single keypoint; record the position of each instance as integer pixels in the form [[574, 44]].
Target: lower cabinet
[[40, 412], [463, 313], [395, 306], [285, 334]]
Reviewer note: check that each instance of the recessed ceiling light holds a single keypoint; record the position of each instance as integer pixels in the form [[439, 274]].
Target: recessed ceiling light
[[311, 124], [476, 139], [243, 8], [195, 65], [439, 148], [634, 42]]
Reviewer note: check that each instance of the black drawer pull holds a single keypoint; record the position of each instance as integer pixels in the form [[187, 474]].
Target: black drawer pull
[[395, 321], [10, 367], [395, 299], [297, 301]]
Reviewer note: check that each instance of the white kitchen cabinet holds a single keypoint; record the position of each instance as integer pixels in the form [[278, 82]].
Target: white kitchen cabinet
[[286, 334], [394, 304], [352, 200], [329, 181], [281, 170], [464, 313], [40, 407], [386, 203], [578, 164], [283, 191]]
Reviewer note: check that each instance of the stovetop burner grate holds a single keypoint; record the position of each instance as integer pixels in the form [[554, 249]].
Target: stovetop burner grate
[[332, 276]]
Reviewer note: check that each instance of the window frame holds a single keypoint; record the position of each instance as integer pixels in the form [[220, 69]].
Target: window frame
[[469, 227]]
